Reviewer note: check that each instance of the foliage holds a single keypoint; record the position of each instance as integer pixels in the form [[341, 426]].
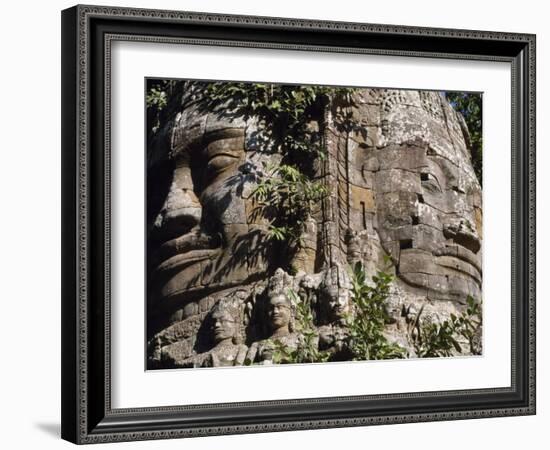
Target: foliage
[[366, 325], [366, 339], [286, 197], [470, 106], [289, 117], [470, 324], [156, 99], [307, 350], [440, 339]]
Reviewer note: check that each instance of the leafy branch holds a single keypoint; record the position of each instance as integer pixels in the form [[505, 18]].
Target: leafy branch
[[159, 94], [307, 350], [289, 117], [367, 340], [441, 339], [470, 106], [286, 197]]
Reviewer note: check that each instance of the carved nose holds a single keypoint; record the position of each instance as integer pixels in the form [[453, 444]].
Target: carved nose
[[181, 210], [463, 233]]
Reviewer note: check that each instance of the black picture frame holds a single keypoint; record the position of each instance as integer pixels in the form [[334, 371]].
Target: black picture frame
[[87, 32]]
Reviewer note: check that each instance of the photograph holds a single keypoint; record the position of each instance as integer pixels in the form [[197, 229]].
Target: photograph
[[295, 224]]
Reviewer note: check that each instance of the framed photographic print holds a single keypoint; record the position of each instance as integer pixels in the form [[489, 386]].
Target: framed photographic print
[[282, 224]]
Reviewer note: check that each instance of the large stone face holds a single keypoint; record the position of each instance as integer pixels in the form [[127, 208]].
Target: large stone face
[[402, 186], [427, 197]]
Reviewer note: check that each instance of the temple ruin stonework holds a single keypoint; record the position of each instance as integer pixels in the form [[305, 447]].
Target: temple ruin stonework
[[401, 196]]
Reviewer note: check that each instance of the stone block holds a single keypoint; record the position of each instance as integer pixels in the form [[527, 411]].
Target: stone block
[[415, 260], [429, 216], [177, 352], [396, 180], [189, 128], [362, 199], [402, 157], [180, 330], [427, 238]]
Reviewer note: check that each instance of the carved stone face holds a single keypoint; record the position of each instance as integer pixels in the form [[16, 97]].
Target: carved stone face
[[224, 326], [433, 225], [279, 312], [205, 233], [338, 304], [427, 197]]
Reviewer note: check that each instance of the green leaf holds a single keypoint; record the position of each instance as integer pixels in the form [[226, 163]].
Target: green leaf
[[456, 345]]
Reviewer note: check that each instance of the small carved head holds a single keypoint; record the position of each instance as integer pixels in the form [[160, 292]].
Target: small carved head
[[280, 309], [227, 322], [335, 299]]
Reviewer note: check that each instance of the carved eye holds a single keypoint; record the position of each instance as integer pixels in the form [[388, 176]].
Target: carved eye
[[220, 155], [221, 161], [218, 162], [429, 182]]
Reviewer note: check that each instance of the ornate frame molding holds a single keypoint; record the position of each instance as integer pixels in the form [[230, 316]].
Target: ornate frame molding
[[86, 259]]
